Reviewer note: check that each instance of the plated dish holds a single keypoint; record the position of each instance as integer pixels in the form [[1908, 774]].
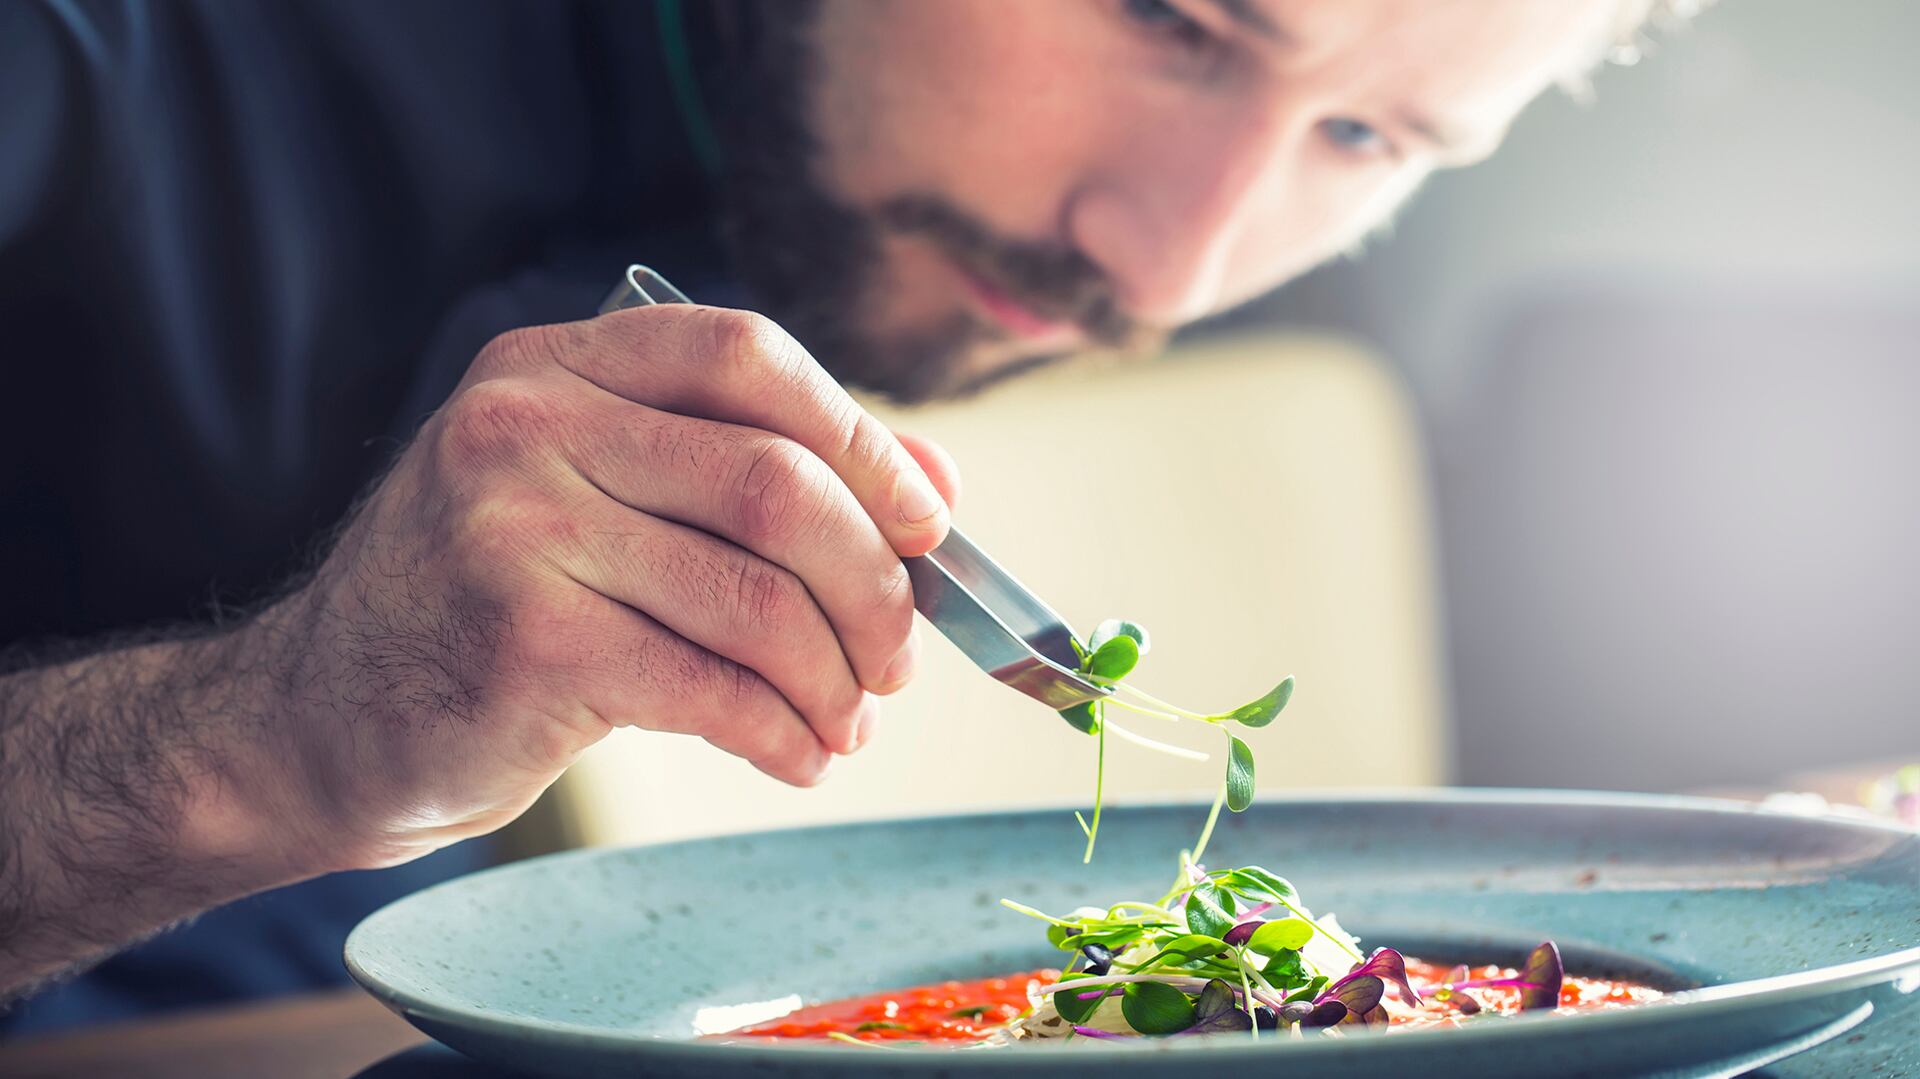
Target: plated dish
[[1225, 953], [1776, 933]]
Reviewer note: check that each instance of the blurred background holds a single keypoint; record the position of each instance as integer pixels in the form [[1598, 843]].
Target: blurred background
[[1596, 472], [1664, 351]]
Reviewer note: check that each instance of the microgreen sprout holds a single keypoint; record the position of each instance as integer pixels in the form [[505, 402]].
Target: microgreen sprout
[[1218, 951], [1111, 654]]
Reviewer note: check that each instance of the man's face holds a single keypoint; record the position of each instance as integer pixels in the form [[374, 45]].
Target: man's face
[[1015, 181]]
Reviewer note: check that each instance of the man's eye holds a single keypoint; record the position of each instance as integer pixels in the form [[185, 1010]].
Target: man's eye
[[1352, 134], [1163, 17]]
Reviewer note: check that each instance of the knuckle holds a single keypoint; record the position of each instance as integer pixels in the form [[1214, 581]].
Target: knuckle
[[495, 528], [523, 347], [894, 595], [495, 418], [865, 444], [765, 597], [749, 346], [731, 686], [778, 493]]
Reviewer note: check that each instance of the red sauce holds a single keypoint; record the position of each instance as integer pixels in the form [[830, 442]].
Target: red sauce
[[1576, 994], [941, 1012], [958, 1012]]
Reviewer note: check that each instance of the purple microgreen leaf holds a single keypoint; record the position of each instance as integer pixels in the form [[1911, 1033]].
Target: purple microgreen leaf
[[1359, 992], [1543, 975], [1216, 999], [1233, 1019], [1391, 965], [1238, 934], [1325, 1014], [1375, 1016], [1095, 1032]]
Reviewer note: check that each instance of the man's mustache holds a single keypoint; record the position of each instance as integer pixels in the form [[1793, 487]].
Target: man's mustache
[[1055, 282]]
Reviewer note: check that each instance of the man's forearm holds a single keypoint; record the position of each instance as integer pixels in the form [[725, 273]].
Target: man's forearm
[[138, 787]]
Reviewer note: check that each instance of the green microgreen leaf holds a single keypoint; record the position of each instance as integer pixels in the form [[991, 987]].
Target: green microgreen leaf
[[1261, 712], [1186, 948], [1308, 991], [878, 1024], [1084, 717], [1075, 1010], [1115, 627], [1239, 775], [1285, 935], [1209, 911], [1258, 884], [974, 1012], [1114, 659], [1156, 1008]]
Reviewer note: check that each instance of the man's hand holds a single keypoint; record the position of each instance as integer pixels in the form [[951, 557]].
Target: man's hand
[[669, 518]]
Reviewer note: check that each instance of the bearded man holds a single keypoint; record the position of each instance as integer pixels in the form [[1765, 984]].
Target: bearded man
[[256, 260]]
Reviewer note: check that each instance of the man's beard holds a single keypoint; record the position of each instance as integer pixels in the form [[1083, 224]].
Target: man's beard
[[817, 265]]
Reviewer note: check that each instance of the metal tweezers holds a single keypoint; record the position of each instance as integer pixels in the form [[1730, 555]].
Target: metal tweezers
[[1001, 626]]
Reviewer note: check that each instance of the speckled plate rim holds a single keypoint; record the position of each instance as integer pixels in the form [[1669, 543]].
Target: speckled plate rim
[[1683, 1006]]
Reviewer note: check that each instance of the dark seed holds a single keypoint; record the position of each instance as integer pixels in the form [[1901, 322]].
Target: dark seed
[[1265, 1019], [1099, 958]]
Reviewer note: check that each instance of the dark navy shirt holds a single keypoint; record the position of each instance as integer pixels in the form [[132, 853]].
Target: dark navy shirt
[[244, 248]]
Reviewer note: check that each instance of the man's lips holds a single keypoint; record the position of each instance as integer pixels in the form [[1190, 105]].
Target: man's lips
[[1018, 319]]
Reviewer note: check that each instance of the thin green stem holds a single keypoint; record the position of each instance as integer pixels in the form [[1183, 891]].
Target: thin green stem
[[1150, 908], [1100, 784], [1213, 816], [1322, 930], [1147, 743], [1148, 698], [1031, 913], [1246, 989], [1142, 710]]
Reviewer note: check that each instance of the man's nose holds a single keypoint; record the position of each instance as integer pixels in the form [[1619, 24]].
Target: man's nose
[[1163, 219]]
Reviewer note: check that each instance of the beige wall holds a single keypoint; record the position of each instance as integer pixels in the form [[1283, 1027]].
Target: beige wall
[[1258, 504]]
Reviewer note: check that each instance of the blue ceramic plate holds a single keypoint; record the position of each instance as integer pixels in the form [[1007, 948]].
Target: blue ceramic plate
[[1795, 929]]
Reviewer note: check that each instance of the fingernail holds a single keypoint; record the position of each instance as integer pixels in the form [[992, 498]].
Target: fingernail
[[869, 718], [915, 499], [901, 669]]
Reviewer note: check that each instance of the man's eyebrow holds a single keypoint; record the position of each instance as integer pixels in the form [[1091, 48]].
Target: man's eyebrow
[[1442, 136], [1248, 14]]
